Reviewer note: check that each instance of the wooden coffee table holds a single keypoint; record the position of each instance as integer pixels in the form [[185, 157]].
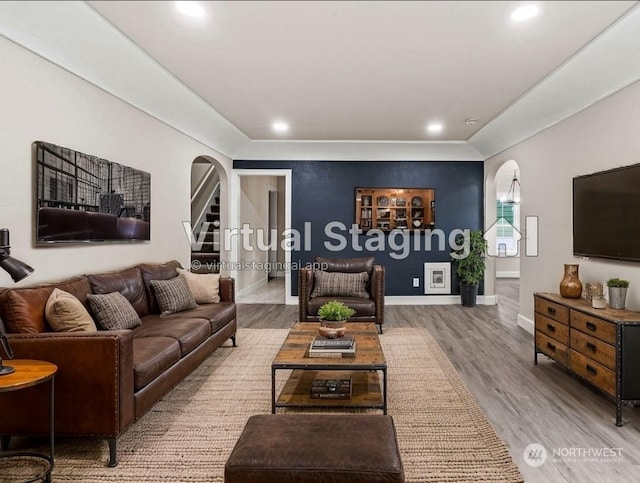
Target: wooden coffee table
[[364, 369]]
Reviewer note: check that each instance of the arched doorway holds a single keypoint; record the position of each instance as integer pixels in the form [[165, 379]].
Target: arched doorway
[[208, 180], [507, 227]]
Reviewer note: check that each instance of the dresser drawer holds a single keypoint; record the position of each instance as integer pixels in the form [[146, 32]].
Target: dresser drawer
[[552, 348], [594, 348], [595, 373], [594, 326], [552, 310], [552, 328]]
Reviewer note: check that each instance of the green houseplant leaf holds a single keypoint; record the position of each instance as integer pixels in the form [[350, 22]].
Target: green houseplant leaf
[[334, 310], [470, 260], [617, 282]]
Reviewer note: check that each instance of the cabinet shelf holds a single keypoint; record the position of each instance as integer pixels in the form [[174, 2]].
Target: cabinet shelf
[[389, 209]]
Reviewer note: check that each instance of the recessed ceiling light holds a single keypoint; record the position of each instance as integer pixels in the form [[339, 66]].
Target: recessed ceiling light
[[280, 126], [190, 9], [525, 12], [435, 127]]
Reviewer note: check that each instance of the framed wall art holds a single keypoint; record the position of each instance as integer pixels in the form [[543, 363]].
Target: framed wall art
[[437, 278]]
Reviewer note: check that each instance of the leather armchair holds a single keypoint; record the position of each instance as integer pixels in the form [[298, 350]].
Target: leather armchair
[[369, 309]]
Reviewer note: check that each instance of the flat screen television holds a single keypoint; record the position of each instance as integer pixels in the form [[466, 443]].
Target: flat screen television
[[606, 214], [83, 198]]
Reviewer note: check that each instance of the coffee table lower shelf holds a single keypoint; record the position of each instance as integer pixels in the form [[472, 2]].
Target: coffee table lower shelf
[[366, 391]]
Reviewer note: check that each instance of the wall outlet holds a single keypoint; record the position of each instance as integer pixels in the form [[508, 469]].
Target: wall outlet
[[416, 282]]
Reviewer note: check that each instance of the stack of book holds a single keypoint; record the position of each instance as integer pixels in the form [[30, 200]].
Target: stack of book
[[331, 389], [342, 347]]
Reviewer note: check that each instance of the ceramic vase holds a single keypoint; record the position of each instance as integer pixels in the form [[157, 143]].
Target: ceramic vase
[[571, 286]]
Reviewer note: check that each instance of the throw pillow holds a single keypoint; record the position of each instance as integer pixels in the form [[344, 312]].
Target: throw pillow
[[173, 295], [65, 313], [205, 287], [338, 284], [113, 311]]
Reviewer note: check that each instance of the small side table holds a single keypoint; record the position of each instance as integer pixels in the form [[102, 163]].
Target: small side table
[[30, 373]]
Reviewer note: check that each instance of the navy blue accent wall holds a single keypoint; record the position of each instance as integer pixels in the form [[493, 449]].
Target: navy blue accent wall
[[324, 191]]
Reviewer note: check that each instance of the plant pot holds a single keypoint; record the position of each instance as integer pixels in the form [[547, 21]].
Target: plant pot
[[617, 297], [332, 329], [468, 295]]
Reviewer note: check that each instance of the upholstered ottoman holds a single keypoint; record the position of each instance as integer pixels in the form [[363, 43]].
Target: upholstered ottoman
[[316, 448]]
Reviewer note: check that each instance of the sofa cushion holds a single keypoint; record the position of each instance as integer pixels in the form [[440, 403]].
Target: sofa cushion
[[205, 287], [65, 313], [151, 357], [128, 282], [190, 333], [218, 315], [363, 307], [113, 311], [23, 309], [340, 284], [156, 271], [173, 295]]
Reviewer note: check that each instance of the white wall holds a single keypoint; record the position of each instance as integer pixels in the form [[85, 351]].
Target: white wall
[[40, 101], [601, 137]]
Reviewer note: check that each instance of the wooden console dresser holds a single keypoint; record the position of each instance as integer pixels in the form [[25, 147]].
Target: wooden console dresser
[[601, 346]]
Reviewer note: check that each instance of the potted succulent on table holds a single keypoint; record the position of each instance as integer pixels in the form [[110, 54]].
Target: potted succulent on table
[[617, 292], [470, 262], [333, 315]]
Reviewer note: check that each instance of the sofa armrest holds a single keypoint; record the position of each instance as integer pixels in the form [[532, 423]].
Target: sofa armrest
[[93, 385], [305, 285], [227, 289], [377, 291]]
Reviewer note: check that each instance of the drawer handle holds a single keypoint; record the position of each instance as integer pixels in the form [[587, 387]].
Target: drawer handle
[[551, 328], [591, 326], [551, 311], [551, 347], [592, 370], [591, 346]]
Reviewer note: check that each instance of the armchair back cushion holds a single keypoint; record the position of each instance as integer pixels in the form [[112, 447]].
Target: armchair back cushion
[[346, 265]]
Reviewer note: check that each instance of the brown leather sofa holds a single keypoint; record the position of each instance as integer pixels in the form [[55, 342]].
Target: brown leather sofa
[[369, 309], [106, 380]]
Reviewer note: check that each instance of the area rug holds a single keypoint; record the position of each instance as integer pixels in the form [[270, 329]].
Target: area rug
[[188, 435]]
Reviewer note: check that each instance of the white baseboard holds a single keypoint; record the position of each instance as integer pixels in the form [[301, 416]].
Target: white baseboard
[[507, 274], [419, 300], [252, 287], [435, 300], [526, 324]]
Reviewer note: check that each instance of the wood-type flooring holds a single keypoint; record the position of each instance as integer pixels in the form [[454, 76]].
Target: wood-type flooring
[[526, 404]]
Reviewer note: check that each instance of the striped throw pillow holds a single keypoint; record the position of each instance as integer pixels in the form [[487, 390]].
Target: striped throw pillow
[[113, 311], [173, 295], [339, 284]]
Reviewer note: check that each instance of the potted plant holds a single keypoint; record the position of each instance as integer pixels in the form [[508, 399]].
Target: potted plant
[[617, 292], [333, 315], [470, 261]]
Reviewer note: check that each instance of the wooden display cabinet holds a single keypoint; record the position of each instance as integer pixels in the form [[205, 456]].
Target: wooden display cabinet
[[389, 209]]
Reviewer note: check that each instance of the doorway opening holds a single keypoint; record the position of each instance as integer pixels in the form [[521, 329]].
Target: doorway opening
[[262, 208]]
